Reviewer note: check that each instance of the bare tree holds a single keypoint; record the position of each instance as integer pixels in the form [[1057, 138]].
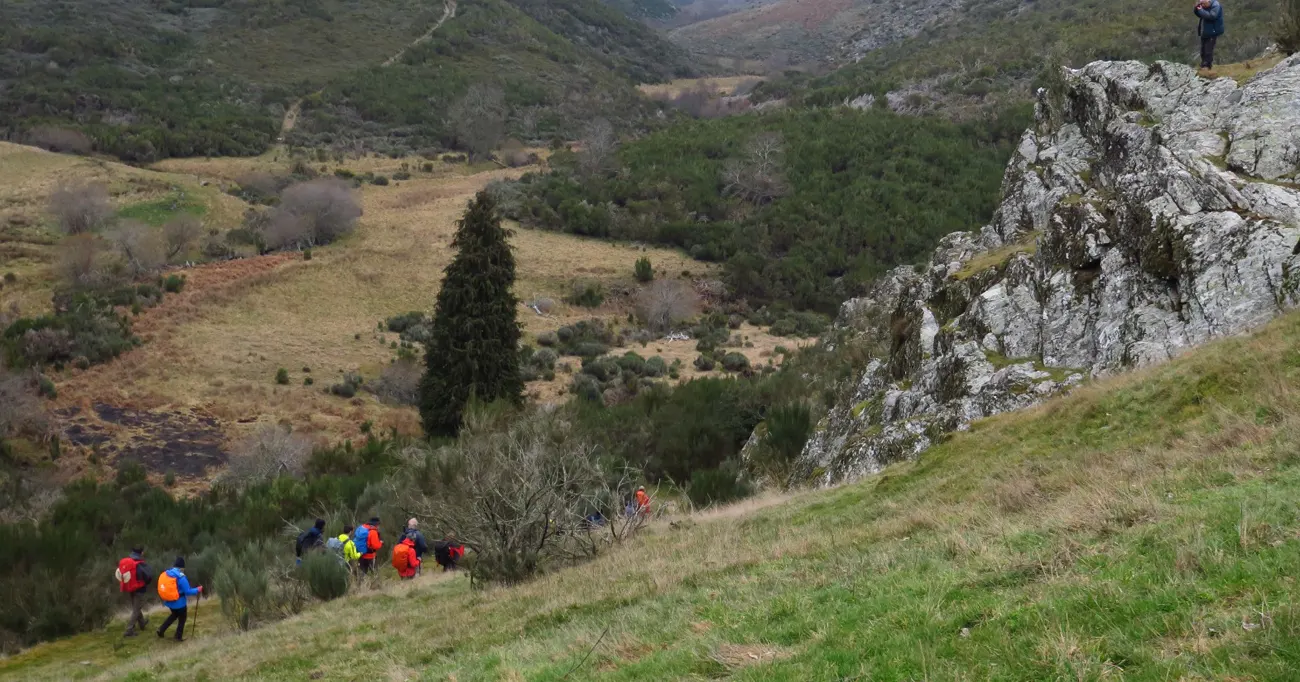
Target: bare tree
[[598, 146], [141, 247], [180, 234], [665, 304], [81, 208], [313, 212], [84, 262], [270, 452], [759, 175], [521, 495], [21, 413], [478, 119], [399, 382]]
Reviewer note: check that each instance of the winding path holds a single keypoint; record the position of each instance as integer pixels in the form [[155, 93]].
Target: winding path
[[295, 110]]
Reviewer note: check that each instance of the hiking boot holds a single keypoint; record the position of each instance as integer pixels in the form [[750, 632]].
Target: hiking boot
[[129, 634], [159, 633]]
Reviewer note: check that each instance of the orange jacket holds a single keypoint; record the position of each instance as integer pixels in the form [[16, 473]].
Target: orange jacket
[[404, 558], [642, 501], [373, 543]]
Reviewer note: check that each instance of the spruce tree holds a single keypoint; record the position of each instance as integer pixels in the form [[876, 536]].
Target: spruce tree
[[473, 349]]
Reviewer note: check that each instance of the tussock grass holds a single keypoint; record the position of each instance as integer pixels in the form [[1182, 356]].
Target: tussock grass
[[1144, 527]]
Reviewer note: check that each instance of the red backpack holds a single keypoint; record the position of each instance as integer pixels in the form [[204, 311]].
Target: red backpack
[[128, 575]]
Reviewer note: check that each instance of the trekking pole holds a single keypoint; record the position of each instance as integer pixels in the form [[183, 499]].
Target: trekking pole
[[197, 600]]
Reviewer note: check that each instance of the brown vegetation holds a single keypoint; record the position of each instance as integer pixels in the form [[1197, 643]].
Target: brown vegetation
[[664, 304], [81, 208]]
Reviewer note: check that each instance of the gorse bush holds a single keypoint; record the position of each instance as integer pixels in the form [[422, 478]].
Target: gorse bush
[[643, 271], [1286, 31], [586, 294], [326, 575], [727, 483]]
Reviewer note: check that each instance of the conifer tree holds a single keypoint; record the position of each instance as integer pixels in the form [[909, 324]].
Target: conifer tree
[[473, 349]]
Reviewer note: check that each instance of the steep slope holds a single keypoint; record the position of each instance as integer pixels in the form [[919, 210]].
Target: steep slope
[[1149, 212], [1143, 528], [212, 77]]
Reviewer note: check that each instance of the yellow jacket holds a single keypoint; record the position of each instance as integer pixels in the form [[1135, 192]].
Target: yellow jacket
[[350, 552]]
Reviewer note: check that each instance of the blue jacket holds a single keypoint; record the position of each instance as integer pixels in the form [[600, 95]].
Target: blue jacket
[[183, 587], [1211, 20]]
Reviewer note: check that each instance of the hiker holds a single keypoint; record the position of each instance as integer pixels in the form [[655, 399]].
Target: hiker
[[133, 576], [1210, 27], [417, 538], [642, 502], [448, 553], [310, 539], [405, 559], [368, 542], [344, 547], [174, 589]]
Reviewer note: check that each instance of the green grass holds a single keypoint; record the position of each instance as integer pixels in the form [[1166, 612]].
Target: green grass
[[161, 210], [1143, 528]]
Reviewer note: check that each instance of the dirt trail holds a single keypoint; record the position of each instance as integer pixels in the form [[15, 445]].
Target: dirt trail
[[295, 109]]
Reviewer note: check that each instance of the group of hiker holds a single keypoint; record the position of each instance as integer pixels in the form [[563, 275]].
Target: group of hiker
[[357, 546]]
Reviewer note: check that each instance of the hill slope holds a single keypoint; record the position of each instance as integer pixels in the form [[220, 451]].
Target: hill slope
[[1144, 526], [210, 77]]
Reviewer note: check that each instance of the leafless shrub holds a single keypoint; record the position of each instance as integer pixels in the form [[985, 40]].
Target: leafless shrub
[[515, 155], [313, 213], [665, 303], [599, 143], [81, 208], [21, 413], [84, 262], [399, 382], [56, 139], [519, 495], [260, 187], [759, 175], [478, 120], [141, 247], [270, 452], [180, 234]]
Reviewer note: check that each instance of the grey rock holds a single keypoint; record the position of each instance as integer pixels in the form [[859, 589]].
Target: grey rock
[[1154, 212]]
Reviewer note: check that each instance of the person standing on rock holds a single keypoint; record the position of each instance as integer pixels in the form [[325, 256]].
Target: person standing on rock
[[133, 576], [1210, 13]]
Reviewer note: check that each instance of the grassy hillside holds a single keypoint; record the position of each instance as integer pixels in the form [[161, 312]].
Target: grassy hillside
[[1143, 528], [214, 77], [989, 53]]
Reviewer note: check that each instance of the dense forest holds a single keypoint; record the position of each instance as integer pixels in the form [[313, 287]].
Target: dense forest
[[804, 207]]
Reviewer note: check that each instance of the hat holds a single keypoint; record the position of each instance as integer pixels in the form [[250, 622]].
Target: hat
[[180, 562], [138, 549], [374, 520], [320, 523], [641, 488], [412, 523]]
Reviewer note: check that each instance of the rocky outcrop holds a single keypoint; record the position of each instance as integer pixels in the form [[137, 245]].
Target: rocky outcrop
[[1149, 211]]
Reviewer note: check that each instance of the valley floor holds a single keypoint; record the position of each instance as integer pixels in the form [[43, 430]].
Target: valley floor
[[1144, 527]]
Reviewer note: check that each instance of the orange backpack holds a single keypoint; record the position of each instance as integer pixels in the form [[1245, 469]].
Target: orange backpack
[[167, 588], [402, 557]]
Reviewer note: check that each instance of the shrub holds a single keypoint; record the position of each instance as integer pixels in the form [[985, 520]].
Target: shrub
[[656, 367], [644, 271], [399, 382], [586, 294], [325, 574], [56, 139], [348, 387], [83, 326], [313, 213], [726, 483], [786, 431], [10, 278], [282, 376], [380, 180], [173, 284], [704, 363], [269, 452], [426, 167], [735, 362], [665, 304], [545, 358], [306, 254], [586, 387], [603, 369], [1286, 30], [79, 209], [547, 339], [633, 363], [589, 349], [180, 234]]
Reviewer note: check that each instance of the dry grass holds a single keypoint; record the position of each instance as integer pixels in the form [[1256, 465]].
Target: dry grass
[[217, 346], [719, 85], [997, 257], [1244, 71]]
